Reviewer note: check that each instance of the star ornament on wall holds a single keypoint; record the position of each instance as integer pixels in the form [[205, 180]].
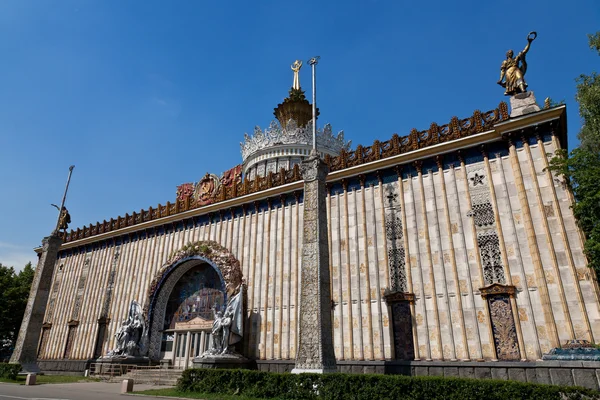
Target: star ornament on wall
[[477, 179]]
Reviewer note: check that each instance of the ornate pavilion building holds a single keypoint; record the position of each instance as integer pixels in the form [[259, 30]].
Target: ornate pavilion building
[[447, 246]]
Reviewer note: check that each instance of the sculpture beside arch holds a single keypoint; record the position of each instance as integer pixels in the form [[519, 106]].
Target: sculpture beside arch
[[181, 261]]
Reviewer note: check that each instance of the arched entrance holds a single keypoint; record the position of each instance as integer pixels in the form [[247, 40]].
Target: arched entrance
[[179, 304]]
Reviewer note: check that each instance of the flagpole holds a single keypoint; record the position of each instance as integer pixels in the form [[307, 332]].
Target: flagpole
[[62, 204], [313, 63]]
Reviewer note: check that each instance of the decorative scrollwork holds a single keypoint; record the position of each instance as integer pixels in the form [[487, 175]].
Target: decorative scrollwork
[[293, 134], [503, 324], [489, 247], [395, 244], [483, 214]]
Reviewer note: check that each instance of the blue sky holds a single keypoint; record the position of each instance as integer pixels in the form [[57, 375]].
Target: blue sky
[[142, 96]]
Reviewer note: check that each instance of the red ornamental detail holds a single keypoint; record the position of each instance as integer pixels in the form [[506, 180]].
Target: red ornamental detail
[[232, 176], [185, 191], [206, 189]]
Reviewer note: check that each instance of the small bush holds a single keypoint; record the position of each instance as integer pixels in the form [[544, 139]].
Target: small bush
[[9, 371], [367, 387]]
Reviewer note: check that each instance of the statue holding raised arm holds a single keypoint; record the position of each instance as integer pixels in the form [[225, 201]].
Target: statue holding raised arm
[[296, 68], [512, 70]]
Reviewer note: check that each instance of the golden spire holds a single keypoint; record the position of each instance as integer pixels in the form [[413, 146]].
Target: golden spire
[[296, 68]]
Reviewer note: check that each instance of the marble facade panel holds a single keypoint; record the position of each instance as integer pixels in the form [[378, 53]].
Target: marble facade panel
[[449, 313]]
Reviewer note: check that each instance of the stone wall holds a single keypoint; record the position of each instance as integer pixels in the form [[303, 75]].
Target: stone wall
[[533, 243], [579, 373]]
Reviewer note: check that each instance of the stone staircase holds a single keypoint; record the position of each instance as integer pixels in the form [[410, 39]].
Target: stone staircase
[[152, 376]]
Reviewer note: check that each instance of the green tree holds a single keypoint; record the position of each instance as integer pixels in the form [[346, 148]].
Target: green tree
[[581, 167], [14, 292]]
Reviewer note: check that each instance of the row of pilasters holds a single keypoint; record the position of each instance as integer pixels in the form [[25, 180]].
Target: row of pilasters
[[555, 297]]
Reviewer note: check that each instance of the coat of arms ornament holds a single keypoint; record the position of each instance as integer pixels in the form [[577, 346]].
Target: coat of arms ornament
[[206, 189]]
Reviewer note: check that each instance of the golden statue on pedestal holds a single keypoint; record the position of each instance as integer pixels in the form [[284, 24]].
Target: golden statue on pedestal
[[296, 68], [512, 70]]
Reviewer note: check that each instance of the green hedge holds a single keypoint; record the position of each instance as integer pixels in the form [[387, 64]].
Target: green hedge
[[9, 371], [368, 387]]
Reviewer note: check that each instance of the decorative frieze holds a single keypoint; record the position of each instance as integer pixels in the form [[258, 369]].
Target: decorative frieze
[[81, 286], [111, 283], [53, 295], [257, 181], [503, 325], [482, 213], [395, 240]]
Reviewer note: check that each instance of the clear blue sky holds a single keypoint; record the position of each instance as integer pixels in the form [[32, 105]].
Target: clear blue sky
[[144, 95]]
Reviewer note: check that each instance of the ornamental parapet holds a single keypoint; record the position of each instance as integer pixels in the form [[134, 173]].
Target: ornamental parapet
[[278, 146], [232, 188]]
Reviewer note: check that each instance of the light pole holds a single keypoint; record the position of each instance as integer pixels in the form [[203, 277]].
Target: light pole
[[313, 63]]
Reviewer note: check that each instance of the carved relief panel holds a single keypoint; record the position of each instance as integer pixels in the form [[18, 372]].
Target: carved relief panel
[[70, 340], [482, 213], [404, 348], [81, 286], [395, 240], [111, 283], [43, 341], [503, 326]]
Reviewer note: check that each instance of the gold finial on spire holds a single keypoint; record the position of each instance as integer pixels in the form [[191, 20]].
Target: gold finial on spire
[[296, 68]]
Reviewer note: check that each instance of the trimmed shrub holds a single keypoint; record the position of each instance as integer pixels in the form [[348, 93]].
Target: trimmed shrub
[[9, 371], [367, 387]]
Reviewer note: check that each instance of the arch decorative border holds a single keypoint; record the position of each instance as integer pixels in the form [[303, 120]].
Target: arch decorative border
[[181, 261]]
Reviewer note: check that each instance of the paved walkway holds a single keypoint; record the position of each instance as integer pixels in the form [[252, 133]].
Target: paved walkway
[[71, 391]]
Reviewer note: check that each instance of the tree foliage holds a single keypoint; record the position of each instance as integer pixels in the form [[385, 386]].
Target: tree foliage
[[14, 292], [581, 167]]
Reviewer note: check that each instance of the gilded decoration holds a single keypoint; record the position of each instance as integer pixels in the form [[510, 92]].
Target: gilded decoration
[[503, 326], [496, 288], [296, 68], [171, 272], [512, 70], [228, 265], [185, 191], [457, 128], [232, 176], [206, 189]]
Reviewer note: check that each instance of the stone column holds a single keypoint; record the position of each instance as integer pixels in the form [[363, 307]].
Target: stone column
[[26, 347], [315, 349]]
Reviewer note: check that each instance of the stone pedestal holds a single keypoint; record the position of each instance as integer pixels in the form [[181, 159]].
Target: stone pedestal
[[222, 362], [30, 379], [574, 350], [25, 351], [523, 103], [127, 386], [315, 348]]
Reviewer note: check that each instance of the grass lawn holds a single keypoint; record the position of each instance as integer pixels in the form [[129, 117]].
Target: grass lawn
[[190, 395], [42, 379]]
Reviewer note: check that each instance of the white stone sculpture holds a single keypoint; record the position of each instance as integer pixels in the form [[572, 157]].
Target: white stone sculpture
[[227, 328], [131, 334]]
